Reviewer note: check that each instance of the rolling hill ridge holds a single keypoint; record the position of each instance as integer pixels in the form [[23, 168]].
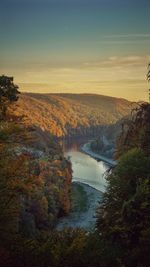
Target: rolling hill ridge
[[71, 115]]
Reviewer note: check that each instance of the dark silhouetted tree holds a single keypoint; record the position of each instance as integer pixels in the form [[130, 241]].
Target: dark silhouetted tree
[[8, 93], [148, 78]]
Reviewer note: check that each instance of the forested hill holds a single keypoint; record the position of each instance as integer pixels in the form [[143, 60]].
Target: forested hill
[[72, 114]]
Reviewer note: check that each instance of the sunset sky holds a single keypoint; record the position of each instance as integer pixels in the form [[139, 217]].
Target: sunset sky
[[79, 46]]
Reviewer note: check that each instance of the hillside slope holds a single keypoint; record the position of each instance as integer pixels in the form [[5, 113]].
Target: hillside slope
[[71, 114], [35, 179]]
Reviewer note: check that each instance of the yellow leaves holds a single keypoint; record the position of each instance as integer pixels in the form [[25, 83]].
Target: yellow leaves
[[65, 114], [31, 166]]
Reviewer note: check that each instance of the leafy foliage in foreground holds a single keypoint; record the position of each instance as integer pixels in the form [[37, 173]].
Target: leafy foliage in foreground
[[35, 182], [34, 186], [124, 218]]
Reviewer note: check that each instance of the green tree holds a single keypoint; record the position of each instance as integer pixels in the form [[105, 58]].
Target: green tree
[[8, 93], [124, 218]]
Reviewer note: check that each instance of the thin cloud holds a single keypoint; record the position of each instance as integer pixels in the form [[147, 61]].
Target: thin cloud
[[131, 35], [115, 61]]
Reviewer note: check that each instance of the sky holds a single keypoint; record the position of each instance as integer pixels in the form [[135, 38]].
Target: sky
[[77, 46]]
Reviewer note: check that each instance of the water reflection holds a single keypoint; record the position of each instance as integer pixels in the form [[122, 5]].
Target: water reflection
[[85, 168]]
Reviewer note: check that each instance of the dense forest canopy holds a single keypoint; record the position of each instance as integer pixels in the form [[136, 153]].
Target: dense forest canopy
[[35, 181], [71, 115], [124, 218]]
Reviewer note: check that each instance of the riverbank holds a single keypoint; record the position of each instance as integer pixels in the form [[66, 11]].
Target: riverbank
[[87, 191], [86, 149], [85, 200]]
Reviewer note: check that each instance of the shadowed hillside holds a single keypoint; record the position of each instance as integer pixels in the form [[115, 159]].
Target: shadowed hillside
[[71, 114]]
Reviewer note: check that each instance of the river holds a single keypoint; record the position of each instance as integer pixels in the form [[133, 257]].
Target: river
[[87, 188], [85, 168]]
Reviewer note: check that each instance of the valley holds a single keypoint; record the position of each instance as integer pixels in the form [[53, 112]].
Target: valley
[[69, 118]]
